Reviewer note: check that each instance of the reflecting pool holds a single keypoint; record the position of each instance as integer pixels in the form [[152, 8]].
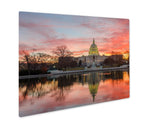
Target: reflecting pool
[[38, 95]]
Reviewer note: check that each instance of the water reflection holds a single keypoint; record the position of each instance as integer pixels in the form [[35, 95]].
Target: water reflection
[[52, 93]]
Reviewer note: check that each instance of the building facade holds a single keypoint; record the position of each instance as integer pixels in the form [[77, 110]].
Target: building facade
[[93, 57]]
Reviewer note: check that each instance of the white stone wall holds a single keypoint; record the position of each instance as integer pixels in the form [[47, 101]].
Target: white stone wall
[[89, 59]]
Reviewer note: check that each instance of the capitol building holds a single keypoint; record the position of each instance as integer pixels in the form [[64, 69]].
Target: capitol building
[[93, 57]]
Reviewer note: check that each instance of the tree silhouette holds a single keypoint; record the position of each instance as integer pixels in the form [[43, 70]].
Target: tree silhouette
[[62, 51], [27, 59], [108, 61], [65, 58]]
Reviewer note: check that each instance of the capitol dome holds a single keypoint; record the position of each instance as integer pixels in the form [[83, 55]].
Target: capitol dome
[[93, 49]]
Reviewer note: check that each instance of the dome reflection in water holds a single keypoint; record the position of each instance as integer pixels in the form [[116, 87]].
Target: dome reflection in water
[[39, 95]]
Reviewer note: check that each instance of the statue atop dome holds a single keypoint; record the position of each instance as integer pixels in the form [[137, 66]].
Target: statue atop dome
[[93, 49]]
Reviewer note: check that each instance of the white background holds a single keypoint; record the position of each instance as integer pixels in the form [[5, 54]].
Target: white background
[[140, 112]]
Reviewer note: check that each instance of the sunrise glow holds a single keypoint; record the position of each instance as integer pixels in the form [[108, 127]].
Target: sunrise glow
[[44, 32]]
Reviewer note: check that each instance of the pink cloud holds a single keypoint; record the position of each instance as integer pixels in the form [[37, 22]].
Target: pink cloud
[[42, 29], [111, 36]]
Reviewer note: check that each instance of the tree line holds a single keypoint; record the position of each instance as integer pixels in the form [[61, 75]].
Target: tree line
[[39, 65]]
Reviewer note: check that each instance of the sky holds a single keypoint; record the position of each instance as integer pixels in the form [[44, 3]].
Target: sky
[[40, 32]]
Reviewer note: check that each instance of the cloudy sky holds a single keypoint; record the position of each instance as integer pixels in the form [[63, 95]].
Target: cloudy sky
[[39, 32]]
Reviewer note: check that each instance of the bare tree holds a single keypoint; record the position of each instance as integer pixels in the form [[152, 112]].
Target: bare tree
[[27, 59], [31, 61], [62, 51], [64, 57]]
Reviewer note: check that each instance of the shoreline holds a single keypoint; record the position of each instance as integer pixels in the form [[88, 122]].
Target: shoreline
[[74, 72]]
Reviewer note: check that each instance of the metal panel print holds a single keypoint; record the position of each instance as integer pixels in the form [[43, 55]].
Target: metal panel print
[[67, 61]]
